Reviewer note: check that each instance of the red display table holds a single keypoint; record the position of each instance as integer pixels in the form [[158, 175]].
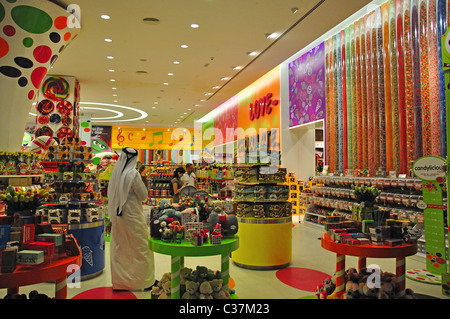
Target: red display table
[[56, 270], [368, 251]]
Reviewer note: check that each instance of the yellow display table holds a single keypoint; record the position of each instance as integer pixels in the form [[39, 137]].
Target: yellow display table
[[264, 244]]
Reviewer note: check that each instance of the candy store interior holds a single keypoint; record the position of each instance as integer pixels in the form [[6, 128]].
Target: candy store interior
[[304, 158]]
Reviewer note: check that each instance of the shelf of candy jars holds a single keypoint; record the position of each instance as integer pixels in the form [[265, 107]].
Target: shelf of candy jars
[[400, 198]]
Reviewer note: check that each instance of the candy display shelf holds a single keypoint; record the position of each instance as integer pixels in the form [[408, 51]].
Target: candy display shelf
[[265, 218]]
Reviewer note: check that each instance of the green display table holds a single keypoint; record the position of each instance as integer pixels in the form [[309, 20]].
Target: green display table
[[186, 249]]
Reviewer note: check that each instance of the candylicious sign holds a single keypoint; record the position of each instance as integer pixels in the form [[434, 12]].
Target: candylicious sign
[[307, 101]]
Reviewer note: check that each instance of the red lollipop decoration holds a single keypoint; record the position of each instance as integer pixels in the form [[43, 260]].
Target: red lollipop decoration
[[43, 119], [44, 131], [65, 108], [64, 132]]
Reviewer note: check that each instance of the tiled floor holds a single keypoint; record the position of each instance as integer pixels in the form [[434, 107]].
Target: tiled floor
[[250, 284]]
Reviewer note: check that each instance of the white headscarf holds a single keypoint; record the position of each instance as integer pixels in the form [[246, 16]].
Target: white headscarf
[[122, 176]]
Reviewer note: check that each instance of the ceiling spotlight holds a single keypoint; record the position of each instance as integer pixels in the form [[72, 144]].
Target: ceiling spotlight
[[114, 88], [271, 35], [237, 68], [194, 25], [114, 94], [105, 17], [110, 57], [153, 107], [252, 53], [111, 70], [225, 78], [170, 74], [151, 21], [108, 40], [176, 62], [207, 94], [166, 83], [216, 87], [294, 10], [112, 80], [184, 46], [155, 103], [189, 109]]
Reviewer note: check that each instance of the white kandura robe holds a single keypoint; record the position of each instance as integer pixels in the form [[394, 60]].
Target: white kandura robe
[[132, 263]]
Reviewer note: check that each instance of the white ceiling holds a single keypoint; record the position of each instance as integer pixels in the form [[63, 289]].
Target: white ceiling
[[228, 30]]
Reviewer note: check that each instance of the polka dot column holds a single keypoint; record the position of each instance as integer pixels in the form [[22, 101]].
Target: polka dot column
[[33, 33]]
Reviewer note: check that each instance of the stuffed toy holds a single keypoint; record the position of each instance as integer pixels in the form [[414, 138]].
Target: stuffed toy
[[154, 228], [229, 224], [200, 274], [164, 204], [387, 290], [191, 290], [218, 206], [219, 292], [169, 213], [35, 295], [206, 290], [352, 290], [166, 287], [158, 289], [185, 275]]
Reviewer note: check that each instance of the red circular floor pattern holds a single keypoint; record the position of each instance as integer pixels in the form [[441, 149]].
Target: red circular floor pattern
[[105, 293], [301, 278]]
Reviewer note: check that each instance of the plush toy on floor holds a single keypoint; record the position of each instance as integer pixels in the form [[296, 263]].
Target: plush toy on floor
[[219, 291], [191, 290], [166, 290], [206, 290]]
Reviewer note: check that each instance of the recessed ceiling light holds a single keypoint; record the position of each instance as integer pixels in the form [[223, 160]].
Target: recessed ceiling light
[[194, 25], [108, 40], [111, 70], [237, 67], [110, 57], [207, 94], [176, 62], [170, 74], [252, 53], [105, 17], [112, 80], [155, 103], [166, 83], [189, 109], [114, 88], [184, 46], [153, 107], [115, 101], [114, 94], [294, 10], [151, 21], [216, 87], [225, 78]]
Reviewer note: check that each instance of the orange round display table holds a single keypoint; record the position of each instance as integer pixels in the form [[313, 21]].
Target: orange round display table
[[368, 251], [57, 271]]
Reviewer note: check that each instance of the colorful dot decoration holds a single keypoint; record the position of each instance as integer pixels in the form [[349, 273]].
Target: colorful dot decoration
[[41, 37]]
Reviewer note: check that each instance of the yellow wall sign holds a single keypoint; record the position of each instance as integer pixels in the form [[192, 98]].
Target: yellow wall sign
[[158, 138]]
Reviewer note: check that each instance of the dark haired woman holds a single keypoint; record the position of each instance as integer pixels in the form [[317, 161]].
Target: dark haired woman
[[177, 184]]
